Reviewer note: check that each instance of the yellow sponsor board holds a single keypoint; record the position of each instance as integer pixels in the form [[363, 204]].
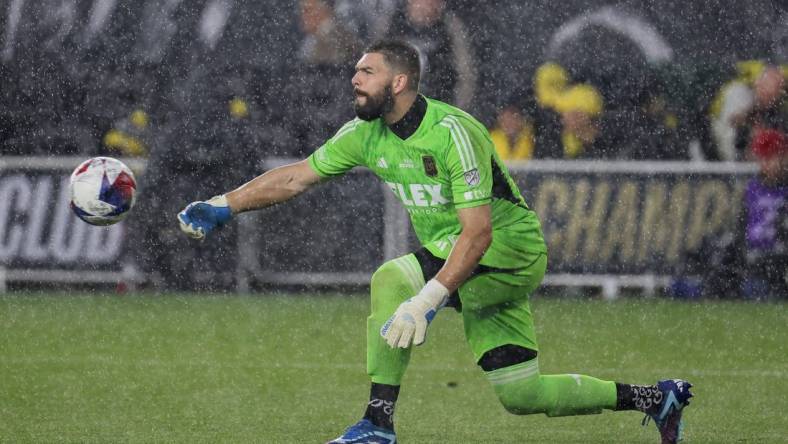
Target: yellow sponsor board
[[629, 222]]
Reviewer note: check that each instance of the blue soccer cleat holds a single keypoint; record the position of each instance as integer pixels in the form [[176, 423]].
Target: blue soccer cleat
[[364, 432], [675, 396]]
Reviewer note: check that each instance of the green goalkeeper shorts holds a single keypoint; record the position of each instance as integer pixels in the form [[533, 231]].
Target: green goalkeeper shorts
[[495, 303]]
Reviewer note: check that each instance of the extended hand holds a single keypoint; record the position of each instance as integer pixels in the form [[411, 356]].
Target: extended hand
[[409, 323], [200, 218]]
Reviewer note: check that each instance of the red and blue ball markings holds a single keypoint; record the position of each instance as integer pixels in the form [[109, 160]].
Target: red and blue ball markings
[[119, 193]]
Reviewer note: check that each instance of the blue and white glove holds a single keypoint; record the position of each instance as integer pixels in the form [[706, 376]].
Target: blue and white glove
[[409, 323], [200, 218]]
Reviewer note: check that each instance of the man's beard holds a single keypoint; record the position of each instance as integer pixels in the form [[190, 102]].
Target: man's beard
[[376, 105]]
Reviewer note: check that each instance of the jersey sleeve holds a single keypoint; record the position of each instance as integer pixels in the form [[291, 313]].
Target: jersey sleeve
[[469, 161], [340, 153]]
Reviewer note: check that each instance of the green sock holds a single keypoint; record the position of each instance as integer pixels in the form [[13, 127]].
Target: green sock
[[523, 391]]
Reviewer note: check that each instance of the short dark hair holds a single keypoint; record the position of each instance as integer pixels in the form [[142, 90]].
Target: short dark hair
[[401, 56]]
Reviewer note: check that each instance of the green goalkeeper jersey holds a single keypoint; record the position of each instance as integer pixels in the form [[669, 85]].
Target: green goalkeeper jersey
[[447, 164]]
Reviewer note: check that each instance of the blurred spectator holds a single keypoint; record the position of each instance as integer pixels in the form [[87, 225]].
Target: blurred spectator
[[447, 61], [567, 123], [771, 107], [368, 19], [319, 86], [616, 52], [766, 218], [326, 41], [513, 134], [129, 136], [727, 114], [751, 261], [574, 121], [756, 97]]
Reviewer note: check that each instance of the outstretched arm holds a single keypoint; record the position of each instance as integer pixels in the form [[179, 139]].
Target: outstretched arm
[[278, 185], [272, 187]]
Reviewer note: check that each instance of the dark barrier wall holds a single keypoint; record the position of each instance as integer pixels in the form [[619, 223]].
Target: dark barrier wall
[[630, 222], [600, 218]]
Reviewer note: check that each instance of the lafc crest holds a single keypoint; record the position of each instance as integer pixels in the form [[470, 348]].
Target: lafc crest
[[430, 168]]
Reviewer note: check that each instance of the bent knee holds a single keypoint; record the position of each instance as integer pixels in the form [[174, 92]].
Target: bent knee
[[380, 276], [395, 281], [519, 386], [404, 270], [521, 402]]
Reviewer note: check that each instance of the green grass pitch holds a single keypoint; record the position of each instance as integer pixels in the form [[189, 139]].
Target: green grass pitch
[[271, 369]]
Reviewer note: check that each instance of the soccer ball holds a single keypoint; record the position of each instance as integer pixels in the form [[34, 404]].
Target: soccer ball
[[103, 191]]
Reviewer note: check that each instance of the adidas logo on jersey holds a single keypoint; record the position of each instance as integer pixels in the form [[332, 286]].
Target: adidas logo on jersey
[[382, 163]]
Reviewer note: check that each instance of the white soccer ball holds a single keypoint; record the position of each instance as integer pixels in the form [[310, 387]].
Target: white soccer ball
[[103, 191]]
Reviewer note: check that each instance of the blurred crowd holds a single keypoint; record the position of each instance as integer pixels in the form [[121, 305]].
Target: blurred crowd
[[632, 80], [206, 89]]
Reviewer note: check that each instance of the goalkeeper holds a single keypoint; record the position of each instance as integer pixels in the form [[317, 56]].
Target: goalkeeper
[[482, 250]]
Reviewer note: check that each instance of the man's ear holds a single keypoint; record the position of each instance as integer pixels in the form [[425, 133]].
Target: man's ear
[[399, 84]]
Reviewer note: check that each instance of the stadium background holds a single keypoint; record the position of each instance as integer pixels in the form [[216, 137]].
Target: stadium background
[[204, 95], [118, 334]]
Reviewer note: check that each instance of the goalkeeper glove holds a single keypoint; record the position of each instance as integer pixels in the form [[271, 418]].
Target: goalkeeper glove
[[409, 323], [200, 218]]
